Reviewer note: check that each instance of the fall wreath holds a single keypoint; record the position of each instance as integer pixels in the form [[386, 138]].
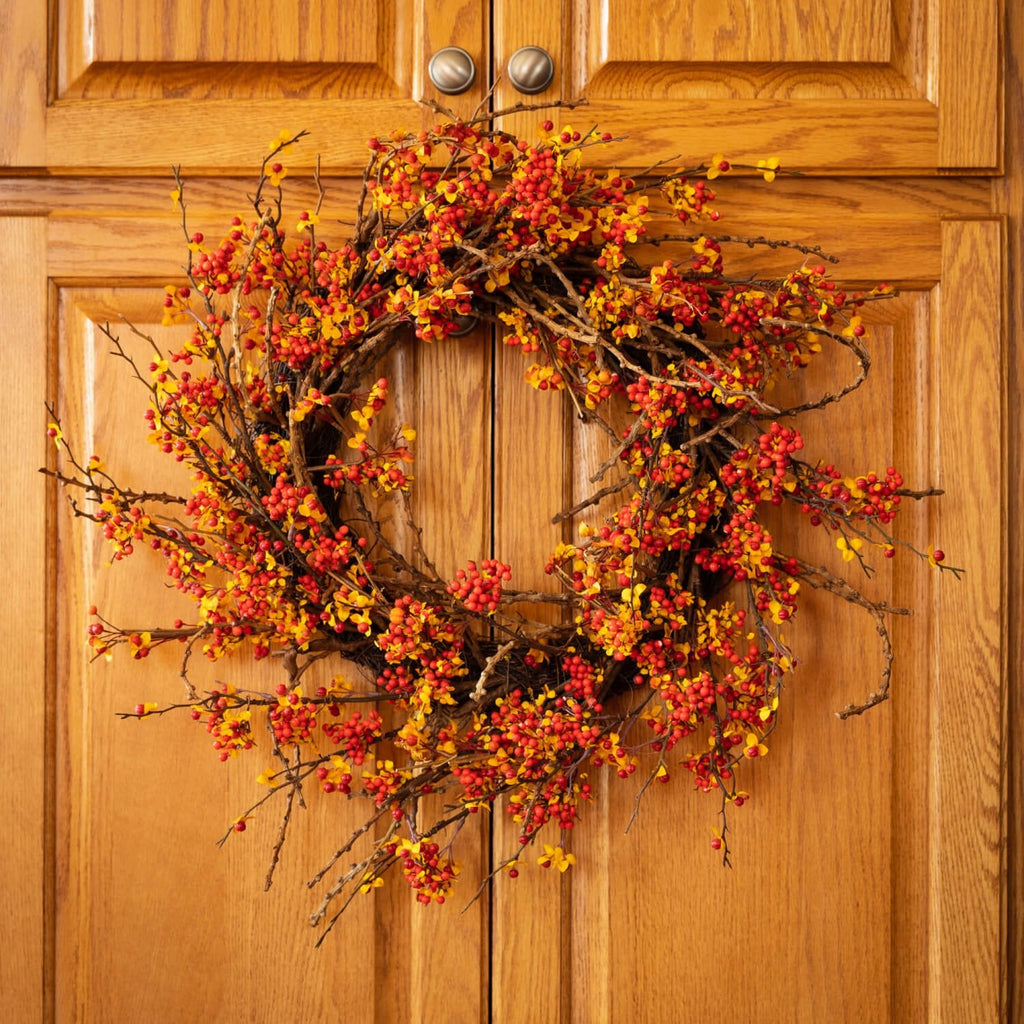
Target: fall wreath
[[668, 637]]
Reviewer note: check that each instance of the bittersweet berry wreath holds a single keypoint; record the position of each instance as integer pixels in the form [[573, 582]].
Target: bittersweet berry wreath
[[669, 636]]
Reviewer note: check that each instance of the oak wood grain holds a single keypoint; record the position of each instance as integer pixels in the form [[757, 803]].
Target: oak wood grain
[[822, 880], [968, 711], [910, 319], [451, 501], [131, 855], [879, 234], [969, 84], [716, 68], [23, 85], [1008, 196], [851, 80], [738, 31], [151, 84], [912, 202], [146, 927], [853, 880], [645, 75], [25, 535], [129, 849], [91, 135], [315, 31], [532, 460]]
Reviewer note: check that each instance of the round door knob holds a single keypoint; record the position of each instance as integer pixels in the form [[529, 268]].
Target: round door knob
[[531, 69], [452, 70]]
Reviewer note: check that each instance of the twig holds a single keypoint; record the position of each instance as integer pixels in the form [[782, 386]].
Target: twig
[[480, 690], [282, 832]]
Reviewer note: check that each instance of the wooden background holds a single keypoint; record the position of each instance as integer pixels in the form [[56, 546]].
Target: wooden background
[[877, 869]]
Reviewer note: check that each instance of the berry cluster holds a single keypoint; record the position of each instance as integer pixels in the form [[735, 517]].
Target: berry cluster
[[479, 588], [428, 871], [293, 720], [227, 718], [356, 734]]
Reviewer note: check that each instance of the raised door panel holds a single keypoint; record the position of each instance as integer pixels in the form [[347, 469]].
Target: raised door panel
[[867, 873], [142, 85], [846, 86], [738, 31]]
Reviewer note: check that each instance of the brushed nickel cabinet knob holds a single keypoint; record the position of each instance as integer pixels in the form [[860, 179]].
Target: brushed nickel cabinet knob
[[531, 69], [452, 70]]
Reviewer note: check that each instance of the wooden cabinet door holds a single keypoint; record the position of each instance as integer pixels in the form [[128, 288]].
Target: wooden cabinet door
[[856, 892], [121, 906], [869, 878], [152, 920], [837, 86], [865, 879], [139, 86]]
